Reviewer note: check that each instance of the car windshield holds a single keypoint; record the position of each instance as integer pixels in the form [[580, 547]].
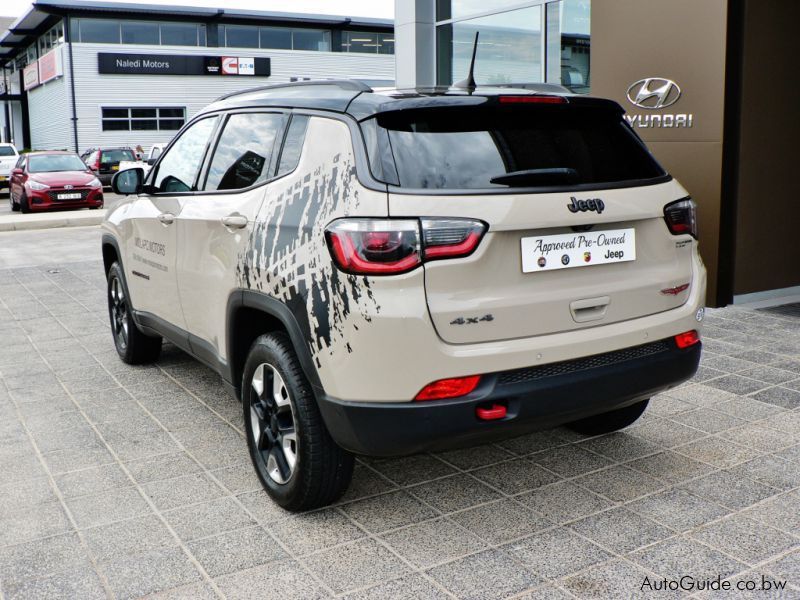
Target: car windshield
[[7, 151], [112, 156], [50, 163]]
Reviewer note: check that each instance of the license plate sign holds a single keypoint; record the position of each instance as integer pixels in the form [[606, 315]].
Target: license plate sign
[[568, 250], [115, 167], [3, 177], [71, 196]]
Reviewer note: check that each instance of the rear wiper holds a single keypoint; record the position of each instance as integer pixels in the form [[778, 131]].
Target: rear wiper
[[536, 176]]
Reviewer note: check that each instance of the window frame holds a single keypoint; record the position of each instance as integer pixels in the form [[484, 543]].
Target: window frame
[[130, 118]]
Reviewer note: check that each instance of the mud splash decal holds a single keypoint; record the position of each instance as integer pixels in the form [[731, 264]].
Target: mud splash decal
[[288, 259]]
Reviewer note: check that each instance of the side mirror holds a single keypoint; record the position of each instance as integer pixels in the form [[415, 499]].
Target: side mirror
[[152, 161], [17, 171], [128, 182]]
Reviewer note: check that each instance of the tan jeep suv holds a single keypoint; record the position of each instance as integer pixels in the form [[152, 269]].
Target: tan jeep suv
[[396, 272]]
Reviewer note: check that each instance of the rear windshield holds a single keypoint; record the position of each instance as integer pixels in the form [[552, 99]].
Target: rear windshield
[[541, 146], [112, 156], [7, 151]]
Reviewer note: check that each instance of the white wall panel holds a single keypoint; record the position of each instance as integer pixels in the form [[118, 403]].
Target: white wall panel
[[94, 90]]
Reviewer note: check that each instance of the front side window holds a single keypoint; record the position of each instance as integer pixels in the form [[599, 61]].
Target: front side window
[[7, 151], [179, 167], [243, 153]]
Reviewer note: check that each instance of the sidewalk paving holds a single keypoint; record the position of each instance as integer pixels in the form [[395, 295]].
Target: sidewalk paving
[[123, 482]]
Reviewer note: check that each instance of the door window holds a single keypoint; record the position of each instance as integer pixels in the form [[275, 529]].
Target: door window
[[293, 146], [243, 154], [178, 169]]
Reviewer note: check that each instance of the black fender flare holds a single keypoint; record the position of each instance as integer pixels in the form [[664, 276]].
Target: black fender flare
[[280, 311]]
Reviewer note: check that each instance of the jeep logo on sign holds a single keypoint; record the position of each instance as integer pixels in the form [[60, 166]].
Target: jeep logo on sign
[[594, 204], [653, 93]]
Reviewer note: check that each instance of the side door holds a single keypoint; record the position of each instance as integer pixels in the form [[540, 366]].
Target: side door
[[214, 225], [151, 236]]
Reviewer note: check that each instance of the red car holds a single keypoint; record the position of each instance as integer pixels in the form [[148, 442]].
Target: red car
[[46, 180]]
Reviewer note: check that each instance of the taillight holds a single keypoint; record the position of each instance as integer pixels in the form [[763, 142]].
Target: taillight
[[449, 388], [451, 238], [681, 217], [371, 246], [687, 339], [394, 246]]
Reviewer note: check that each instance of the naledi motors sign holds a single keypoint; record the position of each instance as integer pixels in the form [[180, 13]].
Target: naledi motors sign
[[112, 63]]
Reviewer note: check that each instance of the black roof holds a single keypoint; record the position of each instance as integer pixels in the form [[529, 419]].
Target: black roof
[[359, 100]]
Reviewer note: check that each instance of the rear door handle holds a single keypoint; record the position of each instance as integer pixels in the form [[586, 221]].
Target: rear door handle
[[166, 218], [235, 221]]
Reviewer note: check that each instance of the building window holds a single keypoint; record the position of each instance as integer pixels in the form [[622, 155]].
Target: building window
[[134, 32], [368, 42], [276, 37], [143, 118], [51, 39], [106, 31], [240, 36], [282, 38], [99, 31], [537, 41]]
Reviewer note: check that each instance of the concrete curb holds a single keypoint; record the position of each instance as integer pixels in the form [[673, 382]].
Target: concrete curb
[[81, 218]]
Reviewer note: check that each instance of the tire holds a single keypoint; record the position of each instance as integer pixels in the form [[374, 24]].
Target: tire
[[23, 204], [133, 346], [296, 459], [610, 421]]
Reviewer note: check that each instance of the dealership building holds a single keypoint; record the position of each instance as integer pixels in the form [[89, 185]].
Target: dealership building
[[83, 73], [707, 84]]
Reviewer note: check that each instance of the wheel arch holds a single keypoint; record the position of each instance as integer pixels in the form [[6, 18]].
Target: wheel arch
[[111, 253], [251, 314]]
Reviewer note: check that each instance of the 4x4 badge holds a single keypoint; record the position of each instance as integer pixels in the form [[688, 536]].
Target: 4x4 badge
[[594, 204], [471, 320]]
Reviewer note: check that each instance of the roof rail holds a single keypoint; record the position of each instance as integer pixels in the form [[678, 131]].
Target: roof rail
[[344, 84]]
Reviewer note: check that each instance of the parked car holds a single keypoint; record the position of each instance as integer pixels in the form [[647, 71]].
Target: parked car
[[398, 272], [8, 158], [46, 180], [147, 162], [105, 161]]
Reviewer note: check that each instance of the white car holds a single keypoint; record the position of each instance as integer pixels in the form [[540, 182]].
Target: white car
[[145, 164], [8, 159]]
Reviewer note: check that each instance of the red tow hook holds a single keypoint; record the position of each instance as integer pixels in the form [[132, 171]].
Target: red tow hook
[[491, 413]]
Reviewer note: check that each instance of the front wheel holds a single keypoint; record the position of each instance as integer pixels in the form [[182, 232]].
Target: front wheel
[[297, 461], [24, 205], [14, 205], [610, 421], [133, 346]]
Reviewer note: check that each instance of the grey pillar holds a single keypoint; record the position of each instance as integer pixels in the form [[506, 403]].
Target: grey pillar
[[415, 43]]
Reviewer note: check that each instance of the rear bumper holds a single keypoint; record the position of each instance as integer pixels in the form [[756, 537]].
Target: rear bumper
[[536, 398]]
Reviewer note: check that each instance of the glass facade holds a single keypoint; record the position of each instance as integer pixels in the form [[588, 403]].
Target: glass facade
[[108, 31], [520, 42], [143, 118], [279, 38], [368, 42]]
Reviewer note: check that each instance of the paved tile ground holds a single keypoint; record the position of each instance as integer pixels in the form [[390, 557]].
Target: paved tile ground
[[121, 482]]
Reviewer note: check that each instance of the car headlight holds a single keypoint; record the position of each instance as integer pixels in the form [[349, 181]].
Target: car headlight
[[35, 185], [95, 183]]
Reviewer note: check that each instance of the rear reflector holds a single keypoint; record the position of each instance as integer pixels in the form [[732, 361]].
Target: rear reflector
[[491, 413], [687, 339], [533, 100], [449, 388]]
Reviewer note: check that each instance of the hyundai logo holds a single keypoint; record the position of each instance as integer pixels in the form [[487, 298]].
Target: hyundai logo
[[653, 93], [68, 186]]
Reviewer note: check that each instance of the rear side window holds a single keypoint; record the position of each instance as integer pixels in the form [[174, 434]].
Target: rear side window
[[7, 151], [293, 144], [244, 150], [494, 148], [115, 156]]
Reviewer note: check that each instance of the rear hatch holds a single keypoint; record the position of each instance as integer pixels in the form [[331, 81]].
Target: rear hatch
[[574, 205], [110, 159]]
